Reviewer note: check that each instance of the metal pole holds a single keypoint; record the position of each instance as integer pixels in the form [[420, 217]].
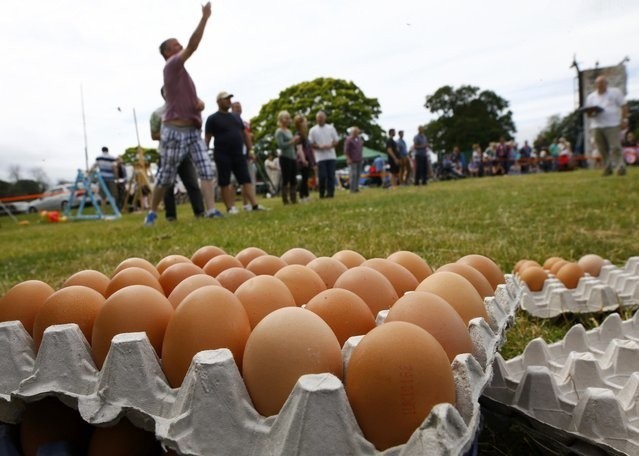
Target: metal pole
[[84, 125]]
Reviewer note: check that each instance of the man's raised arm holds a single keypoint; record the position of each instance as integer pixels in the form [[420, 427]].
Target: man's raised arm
[[196, 37]]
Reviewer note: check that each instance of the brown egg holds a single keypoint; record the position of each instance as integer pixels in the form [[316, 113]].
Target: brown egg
[[209, 318], [396, 375], [266, 265], [132, 276], [286, 344], [263, 294], [350, 258], [346, 313], [123, 439], [48, 421], [591, 264], [569, 275], [204, 254], [303, 282], [246, 255], [176, 273], [298, 255], [73, 304], [534, 277], [400, 277], [456, 291], [170, 260], [232, 278], [219, 263], [138, 263], [136, 308], [556, 266], [518, 265], [551, 261], [413, 262], [329, 269], [471, 274], [486, 266], [190, 284], [88, 278], [435, 315], [23, 302], [375, 289], [526, 264]]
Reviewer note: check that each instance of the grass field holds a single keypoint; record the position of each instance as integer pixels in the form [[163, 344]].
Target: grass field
[[506, 218]]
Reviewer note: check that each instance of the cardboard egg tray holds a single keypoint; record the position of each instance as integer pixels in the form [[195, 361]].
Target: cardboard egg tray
[[211, 413], [614, 287], [583, 389]]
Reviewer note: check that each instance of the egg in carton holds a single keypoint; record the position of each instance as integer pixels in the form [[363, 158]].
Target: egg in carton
[[613, 287], [585, 388], [211, 413]]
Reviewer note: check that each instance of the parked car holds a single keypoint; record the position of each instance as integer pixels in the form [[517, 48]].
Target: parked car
[[57, 199], [15, 207]]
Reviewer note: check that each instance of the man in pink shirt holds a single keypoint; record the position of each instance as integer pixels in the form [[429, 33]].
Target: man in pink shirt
[[182, 123]]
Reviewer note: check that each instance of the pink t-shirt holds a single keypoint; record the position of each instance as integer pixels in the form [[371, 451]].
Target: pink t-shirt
[[179, 92]]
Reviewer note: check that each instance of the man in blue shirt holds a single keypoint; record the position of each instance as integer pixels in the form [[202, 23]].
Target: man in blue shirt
[[107, 165]]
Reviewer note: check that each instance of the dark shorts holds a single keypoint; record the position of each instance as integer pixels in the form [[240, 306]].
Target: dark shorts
[[394, 167], [227, 164]]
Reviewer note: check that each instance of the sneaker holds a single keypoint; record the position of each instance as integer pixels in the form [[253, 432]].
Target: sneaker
[[258, 207], [607, 172], [171, 219], [248, 208], [150, 218], [233, 210], [214, 213], [621, 171]]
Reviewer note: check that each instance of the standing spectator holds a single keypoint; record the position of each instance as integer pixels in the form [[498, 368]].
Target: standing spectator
[[230, 136], [420, 145], [323, 138], [475, 161], [120, 181], [353, 151], [107, 166], [185, 170], [393, 157], [553, 155], [404, 161], [503, 155], [524, 157], [273, 171], [182, 122], [305, 157], [605, 123], [247, 151], [286, 142]]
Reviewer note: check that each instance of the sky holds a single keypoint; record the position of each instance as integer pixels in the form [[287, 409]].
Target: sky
[[77, 74]]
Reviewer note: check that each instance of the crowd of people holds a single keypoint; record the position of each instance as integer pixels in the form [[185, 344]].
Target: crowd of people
[[304, 151]]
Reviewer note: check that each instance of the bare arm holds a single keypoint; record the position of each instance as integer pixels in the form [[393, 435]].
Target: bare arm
[[196, 37], [207, 139], [624, 111]]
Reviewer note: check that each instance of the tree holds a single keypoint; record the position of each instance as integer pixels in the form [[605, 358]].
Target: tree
[[344, 103], [130, 156], [557, 127], [467, 116]]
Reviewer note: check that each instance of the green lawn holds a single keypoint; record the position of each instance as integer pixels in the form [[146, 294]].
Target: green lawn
[[506, 218]]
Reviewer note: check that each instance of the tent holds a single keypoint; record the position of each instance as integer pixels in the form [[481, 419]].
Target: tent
[[369, 156]]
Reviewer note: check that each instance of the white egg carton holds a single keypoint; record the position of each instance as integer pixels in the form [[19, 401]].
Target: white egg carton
[[614, 287], [585, 386], [211, 413]]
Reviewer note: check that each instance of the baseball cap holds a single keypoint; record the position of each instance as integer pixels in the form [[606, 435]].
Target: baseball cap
[[222, 95]]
